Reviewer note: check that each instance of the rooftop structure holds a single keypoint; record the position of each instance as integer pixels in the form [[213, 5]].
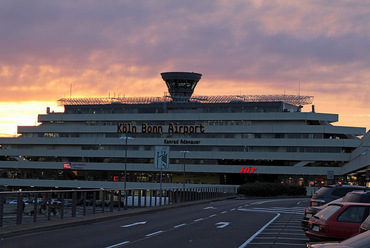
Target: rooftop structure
[[291, 99], [181, 86]]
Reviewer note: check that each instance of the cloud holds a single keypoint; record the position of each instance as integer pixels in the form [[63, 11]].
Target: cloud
[[120, 47]]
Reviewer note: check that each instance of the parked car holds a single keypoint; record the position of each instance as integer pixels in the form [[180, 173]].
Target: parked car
[[16, 202], [55, 202], [354, 196], [39, 200], [331, 192], [359, 241], [311, 211], [337, 221], [365, 226]]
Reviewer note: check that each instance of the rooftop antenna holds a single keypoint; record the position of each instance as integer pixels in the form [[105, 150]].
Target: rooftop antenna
[[70, 90], [299, 92]]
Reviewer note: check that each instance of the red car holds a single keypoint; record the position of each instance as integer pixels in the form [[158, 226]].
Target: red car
[[337, 221]]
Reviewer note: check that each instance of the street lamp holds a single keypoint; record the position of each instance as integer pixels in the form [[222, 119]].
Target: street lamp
[[184, 165], [126, 138]]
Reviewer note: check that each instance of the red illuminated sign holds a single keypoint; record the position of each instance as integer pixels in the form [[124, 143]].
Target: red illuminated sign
[[248, 170], [67, 166]]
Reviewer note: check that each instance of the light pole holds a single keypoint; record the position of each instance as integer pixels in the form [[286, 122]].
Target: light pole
[[126, 138], [184, 165]]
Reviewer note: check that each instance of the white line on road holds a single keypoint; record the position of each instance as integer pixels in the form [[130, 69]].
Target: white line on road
[[264, 237], [222, 224], [293, 238], [276, 244], [116, 245], [180, 225], [298, 234], [258, 232], [155, 233], [134, 224], [198, 219], [224, 212], [213, 215], [289, 244]]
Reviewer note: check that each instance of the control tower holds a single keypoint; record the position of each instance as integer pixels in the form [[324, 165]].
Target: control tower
[[181, 84]]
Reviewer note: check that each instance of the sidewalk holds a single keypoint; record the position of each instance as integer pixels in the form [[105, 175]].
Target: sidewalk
[[16, 230]]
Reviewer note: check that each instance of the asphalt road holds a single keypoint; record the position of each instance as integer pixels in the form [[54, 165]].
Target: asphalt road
[[230, 223]]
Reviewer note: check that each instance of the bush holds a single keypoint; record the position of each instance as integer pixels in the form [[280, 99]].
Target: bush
[[270, 189]]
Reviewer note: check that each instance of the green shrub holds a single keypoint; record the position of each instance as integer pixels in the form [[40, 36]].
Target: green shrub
[[270, 189]]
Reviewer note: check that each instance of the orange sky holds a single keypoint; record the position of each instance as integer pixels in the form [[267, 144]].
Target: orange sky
[[320, 48]]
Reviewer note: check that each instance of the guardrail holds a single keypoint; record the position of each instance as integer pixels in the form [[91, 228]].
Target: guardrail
[[17, 207]]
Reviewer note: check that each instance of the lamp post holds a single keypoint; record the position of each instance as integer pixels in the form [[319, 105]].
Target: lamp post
[[126, 138], [184, 152]]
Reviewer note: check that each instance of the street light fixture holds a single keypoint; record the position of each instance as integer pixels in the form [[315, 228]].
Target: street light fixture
[[126, 138], [184, 166]]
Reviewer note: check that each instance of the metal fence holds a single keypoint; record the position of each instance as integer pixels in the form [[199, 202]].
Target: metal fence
[[17, 207]]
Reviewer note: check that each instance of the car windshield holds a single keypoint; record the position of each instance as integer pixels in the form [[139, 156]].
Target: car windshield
[[352, 197], [327, 212]]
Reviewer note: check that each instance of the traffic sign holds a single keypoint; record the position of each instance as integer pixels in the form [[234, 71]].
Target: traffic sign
[[162, 157]]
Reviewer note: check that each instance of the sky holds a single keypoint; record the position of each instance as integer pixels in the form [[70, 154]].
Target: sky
[[57, 49]]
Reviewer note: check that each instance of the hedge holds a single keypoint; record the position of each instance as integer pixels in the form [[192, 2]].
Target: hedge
[[271, 189]]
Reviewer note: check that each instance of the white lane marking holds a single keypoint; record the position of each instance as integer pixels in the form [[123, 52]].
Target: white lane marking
[[298, 234], [293, 238], [258, 232], [261, 202], [280, 238], [198, 219], [213, 215], [222, 224], [134, 224], [209, 208], [224, 212], [118, 244], [155, 233], [233, 209], [288, 244], [180, 225], [267, 210]]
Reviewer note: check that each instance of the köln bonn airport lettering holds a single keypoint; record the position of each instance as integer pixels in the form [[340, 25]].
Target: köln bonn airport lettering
[[172, 128]]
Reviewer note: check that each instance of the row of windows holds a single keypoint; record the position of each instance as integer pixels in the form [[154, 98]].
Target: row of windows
[[180, 122], [173, 161], [193, 135], [196, 148]]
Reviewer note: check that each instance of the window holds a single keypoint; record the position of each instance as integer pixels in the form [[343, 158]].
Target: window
[[353, 214], [327, 212]]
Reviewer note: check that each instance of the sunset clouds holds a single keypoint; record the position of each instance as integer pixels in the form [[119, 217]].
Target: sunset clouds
[[321, 48]]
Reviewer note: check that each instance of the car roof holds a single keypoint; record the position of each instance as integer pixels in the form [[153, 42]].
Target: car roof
[[366, 191], [350, 203], [346, 185]]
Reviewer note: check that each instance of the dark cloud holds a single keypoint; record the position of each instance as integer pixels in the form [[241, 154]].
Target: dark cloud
[[56, 43]]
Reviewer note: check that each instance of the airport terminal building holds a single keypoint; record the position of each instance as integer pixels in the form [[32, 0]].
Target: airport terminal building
[[197, 140]]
